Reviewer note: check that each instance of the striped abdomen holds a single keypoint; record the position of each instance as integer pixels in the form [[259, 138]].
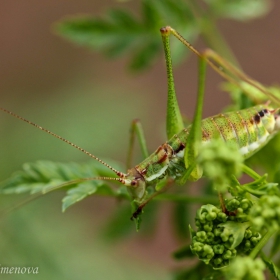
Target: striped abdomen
[[244, 129]]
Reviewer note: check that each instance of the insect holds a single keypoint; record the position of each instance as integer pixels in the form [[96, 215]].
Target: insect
[[248, 129]]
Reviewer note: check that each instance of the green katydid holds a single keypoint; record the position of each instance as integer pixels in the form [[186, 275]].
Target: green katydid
[[248, 129]]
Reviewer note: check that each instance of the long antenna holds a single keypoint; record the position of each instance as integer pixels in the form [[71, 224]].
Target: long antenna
[[120, 174]]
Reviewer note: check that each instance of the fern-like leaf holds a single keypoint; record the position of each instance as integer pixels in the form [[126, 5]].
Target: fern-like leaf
[[45, 176]]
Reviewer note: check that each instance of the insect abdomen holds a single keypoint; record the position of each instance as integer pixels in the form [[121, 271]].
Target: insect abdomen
[[241, 129]]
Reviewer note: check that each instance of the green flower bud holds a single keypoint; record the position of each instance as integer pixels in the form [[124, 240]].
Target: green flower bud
[[231, 239], [198, 224], [203, 217], [222, 217], [225, 235], [211, 216], [197, 247], [233, 252], [266, 212], [218, 249], [247, 244], [217, 261], [255, 240], [201, 236], [232, 204], [245, 268], [218, 239], [208, 249], [218, 231], [227, 255], [208, 226], [210, 237], [239, 211], [248, 234], [245, 204]]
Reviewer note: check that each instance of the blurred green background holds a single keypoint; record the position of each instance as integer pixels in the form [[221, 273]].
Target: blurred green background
[[91, 101]]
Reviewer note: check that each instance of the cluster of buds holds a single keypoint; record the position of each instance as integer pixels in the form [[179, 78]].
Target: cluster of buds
[[266, 212], [248, 269], [221, 236]]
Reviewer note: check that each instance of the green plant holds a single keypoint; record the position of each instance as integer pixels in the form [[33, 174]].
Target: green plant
[[220, 235]]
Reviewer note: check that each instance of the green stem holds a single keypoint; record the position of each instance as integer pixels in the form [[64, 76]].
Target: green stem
[[188, 199], [262, 242], [250, 172]]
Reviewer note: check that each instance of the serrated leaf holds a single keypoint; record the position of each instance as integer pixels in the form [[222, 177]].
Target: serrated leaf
[[84, 30], [75, 195], [145, 56], [123, 18], [151, 17], [271, 266], [276, 245], [179, 13], [44, 176], [120, 32]]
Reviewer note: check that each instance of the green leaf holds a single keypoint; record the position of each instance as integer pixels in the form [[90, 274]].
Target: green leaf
[[151, 17], [276, 245], [75, 195], [181, 218], [119, 32], [179, 13], [119, 226], [237, 230], [123, 19], [184, 252], [192, 232], [271, 266], [239, 9], [200, 271], [144, 57], [45, 176]]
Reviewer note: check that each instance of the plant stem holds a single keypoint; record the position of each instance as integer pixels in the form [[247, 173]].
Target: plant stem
[[250, 172], [263, 241], [222, 202], [188, 199]]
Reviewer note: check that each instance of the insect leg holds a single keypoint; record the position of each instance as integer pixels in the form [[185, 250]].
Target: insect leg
[[194, 138], [174, 121], [226, 69], [236, 76], [136, 129]]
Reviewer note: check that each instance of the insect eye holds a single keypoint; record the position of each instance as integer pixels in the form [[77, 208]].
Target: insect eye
[[261, 113]]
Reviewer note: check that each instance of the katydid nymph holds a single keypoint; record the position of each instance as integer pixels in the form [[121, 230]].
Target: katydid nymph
[[175, 160]]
